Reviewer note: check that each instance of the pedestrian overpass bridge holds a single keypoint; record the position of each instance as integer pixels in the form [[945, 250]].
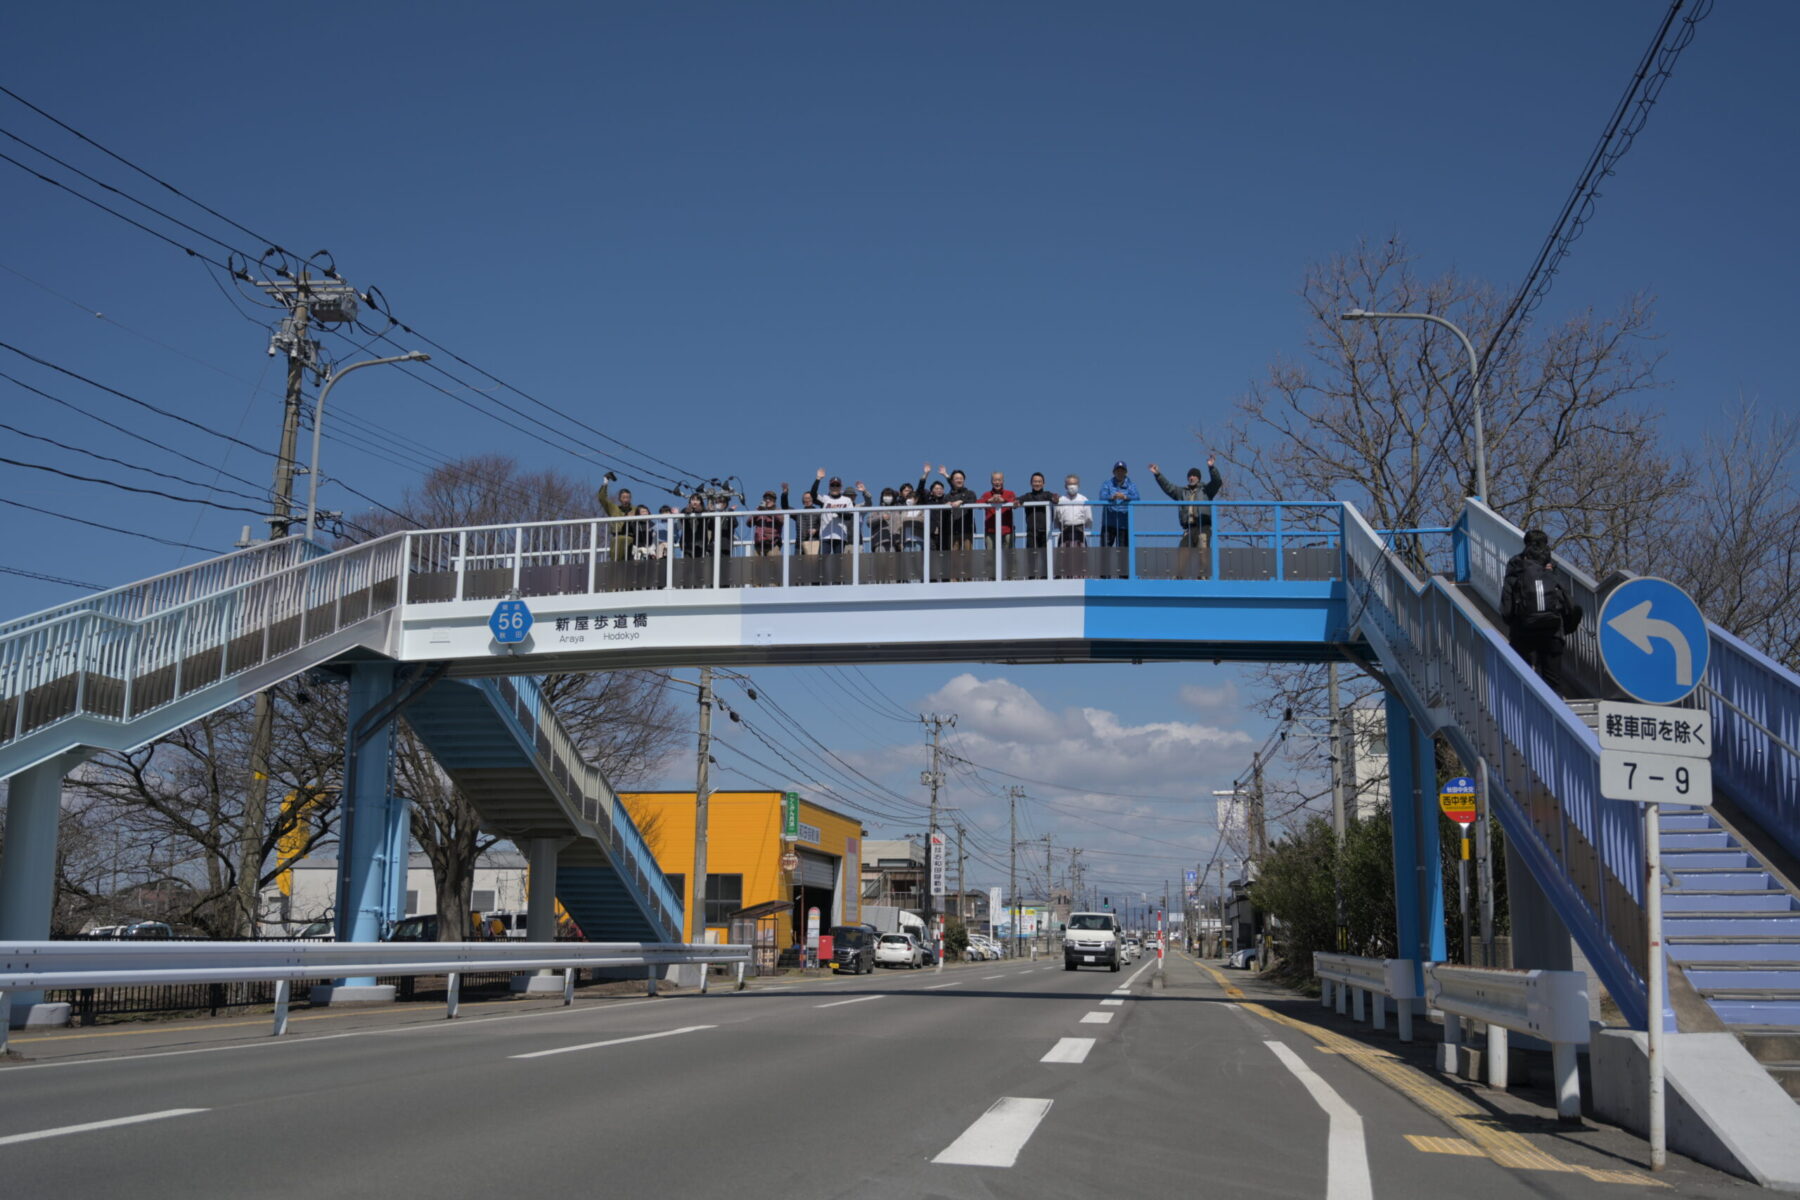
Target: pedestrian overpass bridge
[[406, 618]]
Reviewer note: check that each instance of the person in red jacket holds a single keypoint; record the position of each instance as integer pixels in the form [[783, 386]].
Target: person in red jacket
[[1000, 504]]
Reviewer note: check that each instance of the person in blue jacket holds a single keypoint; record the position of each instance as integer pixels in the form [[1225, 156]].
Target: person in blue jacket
[[1117, 495]]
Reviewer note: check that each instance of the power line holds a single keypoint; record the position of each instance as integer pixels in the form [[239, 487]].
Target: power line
[[74, 583], [130, 466], [150, 537], [126, 487], [1628, 120]]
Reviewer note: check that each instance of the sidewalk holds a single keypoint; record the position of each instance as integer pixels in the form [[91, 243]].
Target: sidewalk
[[1517, 1128]]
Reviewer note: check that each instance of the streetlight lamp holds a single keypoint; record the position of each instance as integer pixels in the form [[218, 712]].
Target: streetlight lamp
[[1357, 314], [312, 484]]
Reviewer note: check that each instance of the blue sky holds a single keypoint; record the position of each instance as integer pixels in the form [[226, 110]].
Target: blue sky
[[758, 239]]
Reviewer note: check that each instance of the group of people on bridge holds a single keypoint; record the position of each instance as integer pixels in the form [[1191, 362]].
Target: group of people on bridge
[[938, 512]]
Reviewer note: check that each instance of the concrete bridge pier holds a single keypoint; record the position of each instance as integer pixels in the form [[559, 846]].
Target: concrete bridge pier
[[28, 873]]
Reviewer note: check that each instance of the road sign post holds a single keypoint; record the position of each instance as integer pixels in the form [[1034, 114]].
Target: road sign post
[[1456, 799], [1655, 645]]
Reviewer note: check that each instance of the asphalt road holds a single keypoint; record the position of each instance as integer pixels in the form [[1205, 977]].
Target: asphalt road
[[904, 1084]]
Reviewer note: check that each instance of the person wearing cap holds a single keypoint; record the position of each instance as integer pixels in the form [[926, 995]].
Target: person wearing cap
[[833, 527], [1118, 494], [1196, 520]]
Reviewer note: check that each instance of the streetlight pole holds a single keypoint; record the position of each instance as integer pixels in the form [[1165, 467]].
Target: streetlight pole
[[312, 471], [1357, 314]]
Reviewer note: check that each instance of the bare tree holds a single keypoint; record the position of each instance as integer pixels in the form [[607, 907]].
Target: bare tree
[[1378, 413], [622, 721]]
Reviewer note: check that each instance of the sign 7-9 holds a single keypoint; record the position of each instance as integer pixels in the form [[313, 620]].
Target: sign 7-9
[[1655, 778]]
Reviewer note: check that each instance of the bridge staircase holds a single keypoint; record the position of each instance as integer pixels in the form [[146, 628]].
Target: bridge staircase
[[122, 668]]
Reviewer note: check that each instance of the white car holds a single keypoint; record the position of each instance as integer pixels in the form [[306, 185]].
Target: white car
[[898, 950]]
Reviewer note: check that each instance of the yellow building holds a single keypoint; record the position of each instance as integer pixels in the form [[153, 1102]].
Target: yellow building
[[744, 849]]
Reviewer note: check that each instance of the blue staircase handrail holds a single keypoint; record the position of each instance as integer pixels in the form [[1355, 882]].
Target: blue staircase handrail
[[1755, 706], [583, 785], [1458, 674]]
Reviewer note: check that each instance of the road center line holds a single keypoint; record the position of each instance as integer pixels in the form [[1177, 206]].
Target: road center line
[[852, 1000], [1114, 1002], [13, 1139], [993, 977], [1347, 1157], [1097, 1018], [997, 1135], [642, 1037], [1069, 1050]]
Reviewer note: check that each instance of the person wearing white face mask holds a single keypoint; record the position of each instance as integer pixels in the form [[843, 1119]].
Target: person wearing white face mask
[[1074, 516]]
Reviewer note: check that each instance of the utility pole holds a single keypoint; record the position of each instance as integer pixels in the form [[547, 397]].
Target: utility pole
[[701, 782], [933, 778], [961, 893], [1014, 794], [1337, 807], [307, 302]]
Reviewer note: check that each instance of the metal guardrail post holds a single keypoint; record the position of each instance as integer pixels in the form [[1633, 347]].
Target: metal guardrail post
[[568, 992], [283, 989], [452, 995], [741, 985]]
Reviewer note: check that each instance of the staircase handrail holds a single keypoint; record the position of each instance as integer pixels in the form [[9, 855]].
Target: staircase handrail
[[116, 650], [147, 597], [1458, 671], [586, 787]]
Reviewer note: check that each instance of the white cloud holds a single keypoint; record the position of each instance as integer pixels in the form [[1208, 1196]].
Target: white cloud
[[1221, 699]]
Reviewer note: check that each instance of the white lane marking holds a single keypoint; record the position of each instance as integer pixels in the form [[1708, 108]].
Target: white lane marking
[[993, 977], [1113, 1002], [1069, 1050], [1347, 1158], [852, 1000], [1096, 1018], [997, 1135], [15, 1138], [934, 987], [1139, 971], [642, 1037], [308, 1039]]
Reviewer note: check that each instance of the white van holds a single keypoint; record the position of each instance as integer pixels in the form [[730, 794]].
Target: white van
[[1092, 939]]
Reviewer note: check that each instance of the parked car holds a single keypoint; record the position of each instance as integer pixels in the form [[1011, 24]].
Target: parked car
[[318, 931], [927, 952], [853, 948], [898, 950], [1242, 959], [424, 928]]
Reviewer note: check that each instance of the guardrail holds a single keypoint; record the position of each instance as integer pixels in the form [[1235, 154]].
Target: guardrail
[[775, 547], [1549, 1005], [1382, 979], [35, 965]]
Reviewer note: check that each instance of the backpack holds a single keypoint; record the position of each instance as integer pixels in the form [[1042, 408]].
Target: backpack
[[1535, 599]]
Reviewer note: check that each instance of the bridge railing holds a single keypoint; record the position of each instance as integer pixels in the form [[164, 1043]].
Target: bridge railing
[[586, 788], [159, 593], [1269, 541], [95, 663], [1586, 850], [1754, 700]]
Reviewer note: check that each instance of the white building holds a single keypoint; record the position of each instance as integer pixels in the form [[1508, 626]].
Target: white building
[[499, 887], [1367, 786]]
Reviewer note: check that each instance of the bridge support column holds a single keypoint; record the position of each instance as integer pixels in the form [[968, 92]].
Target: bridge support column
[[28, 873], [1418, 871], [374, 828], [540, 909]]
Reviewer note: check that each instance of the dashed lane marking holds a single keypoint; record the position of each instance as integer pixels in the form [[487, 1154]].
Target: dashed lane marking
[[1097, 1018], [14, 1139], [642, 1037], [934, 987], [1069, 1050], [1114, 1001], [997, 1136], [852, 1000], [1347, 1155], [993, 976]]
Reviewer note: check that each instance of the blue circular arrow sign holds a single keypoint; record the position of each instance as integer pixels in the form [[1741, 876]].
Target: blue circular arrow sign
[[511, 622], [1653, 640]]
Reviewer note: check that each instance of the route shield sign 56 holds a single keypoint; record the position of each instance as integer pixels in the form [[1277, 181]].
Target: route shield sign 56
[[510, 622]]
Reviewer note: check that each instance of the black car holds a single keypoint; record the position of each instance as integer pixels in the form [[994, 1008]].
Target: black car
[[853, 948]]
